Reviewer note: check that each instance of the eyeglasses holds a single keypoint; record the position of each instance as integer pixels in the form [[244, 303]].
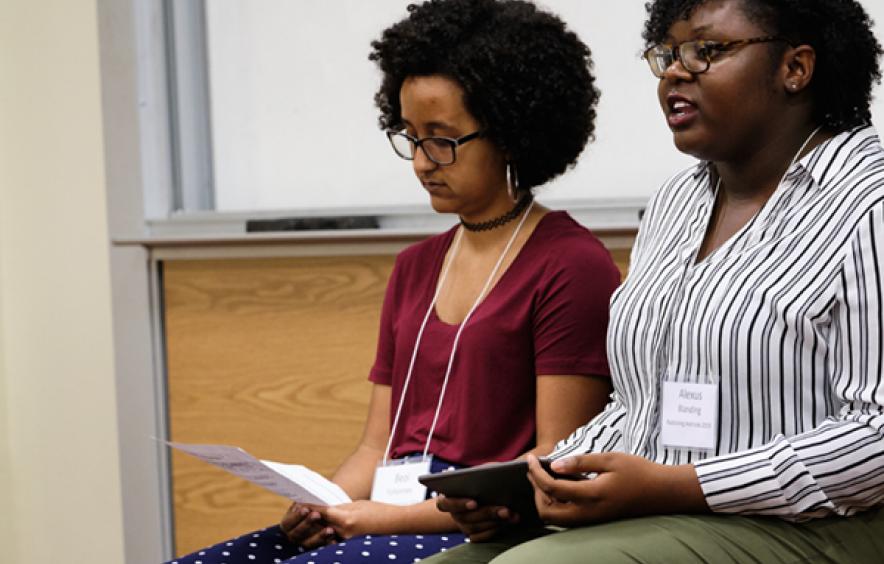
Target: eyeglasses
[[695, 56], [440, 150]]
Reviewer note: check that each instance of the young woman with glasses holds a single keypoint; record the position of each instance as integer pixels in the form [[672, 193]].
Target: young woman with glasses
[[747, 344], [492, 337]]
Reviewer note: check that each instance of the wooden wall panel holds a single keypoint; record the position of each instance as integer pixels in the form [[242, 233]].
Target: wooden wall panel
[[272, 356], [621, 259]]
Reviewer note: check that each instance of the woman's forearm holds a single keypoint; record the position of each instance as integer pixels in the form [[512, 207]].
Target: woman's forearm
[[370, 517], [423, 517], [356, 473]]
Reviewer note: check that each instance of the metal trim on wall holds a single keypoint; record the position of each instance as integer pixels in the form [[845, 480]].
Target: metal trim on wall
[[190, 115]]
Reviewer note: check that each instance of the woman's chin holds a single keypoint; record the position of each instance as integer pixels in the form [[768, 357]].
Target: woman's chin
[[688, 143], [442, 205]]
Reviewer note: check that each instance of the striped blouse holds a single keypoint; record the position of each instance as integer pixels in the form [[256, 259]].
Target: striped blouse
[[787, 318]]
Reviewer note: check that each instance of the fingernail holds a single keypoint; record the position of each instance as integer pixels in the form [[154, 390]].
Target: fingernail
[[329, 532], [303, 511], [562, 464], [503, 513]]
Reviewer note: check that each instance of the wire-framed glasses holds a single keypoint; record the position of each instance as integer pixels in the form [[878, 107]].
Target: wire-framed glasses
[[695, 56], [440, 150]]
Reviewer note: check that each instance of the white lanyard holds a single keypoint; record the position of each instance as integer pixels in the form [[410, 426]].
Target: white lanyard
[[463, 324]]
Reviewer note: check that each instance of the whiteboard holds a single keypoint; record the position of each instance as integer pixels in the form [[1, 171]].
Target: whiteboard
[[294, 125]]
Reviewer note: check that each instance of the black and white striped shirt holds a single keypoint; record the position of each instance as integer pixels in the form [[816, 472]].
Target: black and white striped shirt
[[787, 318]]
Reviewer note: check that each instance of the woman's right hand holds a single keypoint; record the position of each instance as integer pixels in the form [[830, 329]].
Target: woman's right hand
[[305, 527], [480, 523]]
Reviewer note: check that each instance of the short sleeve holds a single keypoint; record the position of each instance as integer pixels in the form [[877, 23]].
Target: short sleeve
[[571, 315]]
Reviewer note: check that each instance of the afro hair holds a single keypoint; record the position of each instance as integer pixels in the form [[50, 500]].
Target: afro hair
[[527, 78]]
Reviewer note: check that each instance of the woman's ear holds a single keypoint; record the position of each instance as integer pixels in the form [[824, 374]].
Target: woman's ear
[[798, 65]]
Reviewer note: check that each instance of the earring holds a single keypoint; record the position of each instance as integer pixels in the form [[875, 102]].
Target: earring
[[793, 86], [512, 180]]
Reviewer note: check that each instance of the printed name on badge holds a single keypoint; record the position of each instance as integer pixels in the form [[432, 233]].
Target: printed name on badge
[[688, 415], [397, 483]]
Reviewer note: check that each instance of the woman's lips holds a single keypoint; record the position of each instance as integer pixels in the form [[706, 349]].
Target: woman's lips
[[681, 111], [433, 187]]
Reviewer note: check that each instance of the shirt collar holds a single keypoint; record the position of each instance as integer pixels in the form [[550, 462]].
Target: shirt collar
[[842, 146], [815, 163]]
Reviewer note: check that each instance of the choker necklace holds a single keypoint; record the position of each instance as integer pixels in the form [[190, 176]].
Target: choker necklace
[[501, 220]]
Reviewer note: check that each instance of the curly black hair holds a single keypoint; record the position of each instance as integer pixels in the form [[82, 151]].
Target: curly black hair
[[840, 32], [527, 79]]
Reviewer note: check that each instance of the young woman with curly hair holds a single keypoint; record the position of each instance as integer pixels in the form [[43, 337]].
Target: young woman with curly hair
[[747, 344], [492, 338]]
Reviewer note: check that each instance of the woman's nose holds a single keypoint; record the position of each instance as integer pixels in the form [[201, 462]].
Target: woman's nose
[[421, 162], [676, 72]]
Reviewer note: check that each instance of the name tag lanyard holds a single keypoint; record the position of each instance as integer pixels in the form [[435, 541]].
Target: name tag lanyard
[[463, 324]]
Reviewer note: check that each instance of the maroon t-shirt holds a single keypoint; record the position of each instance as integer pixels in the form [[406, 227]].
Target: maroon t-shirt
[[547, 315]]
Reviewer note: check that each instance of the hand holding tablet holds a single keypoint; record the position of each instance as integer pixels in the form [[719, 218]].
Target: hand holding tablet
[[497, 484]]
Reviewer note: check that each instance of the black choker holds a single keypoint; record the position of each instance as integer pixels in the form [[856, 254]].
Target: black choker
[[502, 220]]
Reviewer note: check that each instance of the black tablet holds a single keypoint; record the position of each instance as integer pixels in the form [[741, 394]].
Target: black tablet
[[499, 483]]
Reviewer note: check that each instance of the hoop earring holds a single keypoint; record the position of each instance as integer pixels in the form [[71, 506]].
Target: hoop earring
[[512, 180]]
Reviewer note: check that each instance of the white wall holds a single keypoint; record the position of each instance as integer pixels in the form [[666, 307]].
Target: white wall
[[294, 125], [292, 91], [60, 494]]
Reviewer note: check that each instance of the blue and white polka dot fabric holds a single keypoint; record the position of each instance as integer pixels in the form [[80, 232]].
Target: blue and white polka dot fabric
[[270, 546]]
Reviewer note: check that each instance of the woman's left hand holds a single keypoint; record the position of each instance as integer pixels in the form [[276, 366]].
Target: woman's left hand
[[361, 517], [625, 486]]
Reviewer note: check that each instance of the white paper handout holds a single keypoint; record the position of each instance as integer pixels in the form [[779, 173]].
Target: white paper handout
[[296, 482]]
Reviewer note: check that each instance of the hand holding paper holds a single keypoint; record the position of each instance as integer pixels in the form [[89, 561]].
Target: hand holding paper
[[293, 481]]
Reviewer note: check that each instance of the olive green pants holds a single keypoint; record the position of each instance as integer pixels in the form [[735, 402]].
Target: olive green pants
[[682, 539]]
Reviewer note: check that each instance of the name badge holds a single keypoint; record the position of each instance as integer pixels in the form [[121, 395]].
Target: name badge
[[688, 415], [396, 483]]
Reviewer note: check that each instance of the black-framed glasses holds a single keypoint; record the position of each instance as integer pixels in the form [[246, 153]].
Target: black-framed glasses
[[440, 150], [695, 56]]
